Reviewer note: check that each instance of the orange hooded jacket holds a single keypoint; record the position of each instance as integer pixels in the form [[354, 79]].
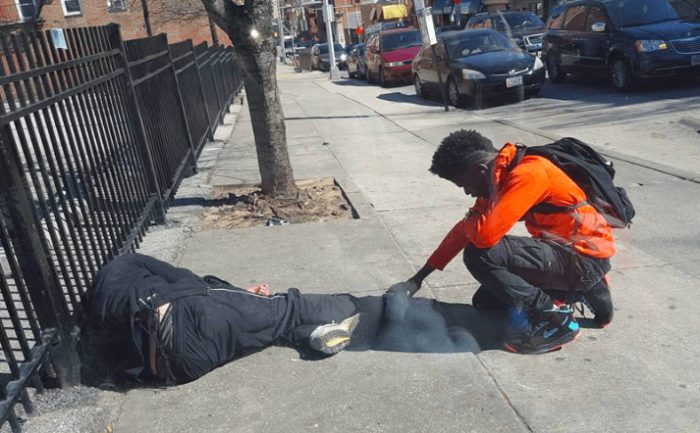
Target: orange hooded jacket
[[515, 191]]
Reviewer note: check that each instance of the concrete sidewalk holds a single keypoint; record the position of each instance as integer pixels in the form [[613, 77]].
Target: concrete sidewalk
[[636, 375]]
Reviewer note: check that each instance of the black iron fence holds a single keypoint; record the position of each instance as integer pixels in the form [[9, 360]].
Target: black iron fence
[[95, 137]]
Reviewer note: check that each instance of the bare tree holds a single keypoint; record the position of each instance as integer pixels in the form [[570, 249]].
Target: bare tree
[[167, 11], [249, 25]]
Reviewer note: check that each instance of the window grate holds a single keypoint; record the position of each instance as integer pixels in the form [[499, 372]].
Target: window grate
[[116, 5]]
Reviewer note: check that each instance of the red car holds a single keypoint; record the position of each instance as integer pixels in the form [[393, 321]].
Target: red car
[[389, 54]]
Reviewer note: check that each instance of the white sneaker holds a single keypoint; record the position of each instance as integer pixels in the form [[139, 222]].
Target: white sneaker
[[334, 337]]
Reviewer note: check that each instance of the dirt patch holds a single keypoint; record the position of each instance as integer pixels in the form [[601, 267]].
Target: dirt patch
[[318, 199]]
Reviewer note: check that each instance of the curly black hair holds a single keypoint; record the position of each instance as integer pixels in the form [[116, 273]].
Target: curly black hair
[[450, 158]]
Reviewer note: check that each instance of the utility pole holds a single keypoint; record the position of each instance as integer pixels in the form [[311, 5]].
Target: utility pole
[[146, 19], [280, 31], [427, 30], [212, 29], [330, 17]]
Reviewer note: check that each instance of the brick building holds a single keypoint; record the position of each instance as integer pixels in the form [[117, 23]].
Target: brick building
[[180, 19]]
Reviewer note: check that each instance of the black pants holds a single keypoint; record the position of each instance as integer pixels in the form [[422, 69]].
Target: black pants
[[210, 331], [525, 273], [213, 322]]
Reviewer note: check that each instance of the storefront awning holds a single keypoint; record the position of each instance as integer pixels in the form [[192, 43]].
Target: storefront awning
[[394, 12]]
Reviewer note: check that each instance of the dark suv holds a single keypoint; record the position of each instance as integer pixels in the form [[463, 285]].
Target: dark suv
[[522, 27], [627, 40]]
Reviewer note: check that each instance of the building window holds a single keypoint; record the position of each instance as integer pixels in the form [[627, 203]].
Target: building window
[[27, 9], [116, 5], [72, 7]]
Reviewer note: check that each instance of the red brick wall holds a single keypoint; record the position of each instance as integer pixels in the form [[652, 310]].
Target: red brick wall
[[131, 21]]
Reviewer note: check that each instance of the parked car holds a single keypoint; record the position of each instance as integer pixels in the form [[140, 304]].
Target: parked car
[[320, 57], [356, 61], [389, 53], [629, 41], [524, 28], [477, 64]]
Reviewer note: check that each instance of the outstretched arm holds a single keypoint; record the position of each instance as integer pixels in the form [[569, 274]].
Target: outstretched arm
[[263, 290]]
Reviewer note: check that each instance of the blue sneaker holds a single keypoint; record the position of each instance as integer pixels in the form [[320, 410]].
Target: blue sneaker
[[518, 324], [554, 329]]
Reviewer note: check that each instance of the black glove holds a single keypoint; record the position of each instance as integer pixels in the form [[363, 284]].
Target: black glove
[[409, 287]]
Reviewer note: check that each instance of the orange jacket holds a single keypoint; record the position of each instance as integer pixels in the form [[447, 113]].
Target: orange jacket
[[515, 191]]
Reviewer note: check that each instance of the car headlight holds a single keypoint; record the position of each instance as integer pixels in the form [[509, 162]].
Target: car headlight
[[538, 64], [393, 64], [343, 56], [651, 45], [470, 74]]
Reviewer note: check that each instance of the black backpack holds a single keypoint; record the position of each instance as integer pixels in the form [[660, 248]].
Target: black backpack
[[592, 173]]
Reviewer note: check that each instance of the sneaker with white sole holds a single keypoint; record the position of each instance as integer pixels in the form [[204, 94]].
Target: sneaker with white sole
[[334, 337], [553, 329]]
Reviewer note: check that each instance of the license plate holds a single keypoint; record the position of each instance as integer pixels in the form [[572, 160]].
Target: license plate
[[514, 81], [695, 60]]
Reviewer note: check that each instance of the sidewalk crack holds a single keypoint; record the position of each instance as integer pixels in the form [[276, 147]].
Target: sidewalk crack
[[520, 417]]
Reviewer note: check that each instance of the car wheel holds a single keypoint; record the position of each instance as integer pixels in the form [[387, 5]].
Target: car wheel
[[418, 85], [382, 78], [621, 74], [556, 75], [456, 99]]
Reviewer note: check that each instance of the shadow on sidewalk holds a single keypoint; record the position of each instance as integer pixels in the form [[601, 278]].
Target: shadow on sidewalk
[[429, 326], [410, 99]]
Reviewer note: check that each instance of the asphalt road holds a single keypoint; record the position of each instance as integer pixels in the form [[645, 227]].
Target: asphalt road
[[659, 122]]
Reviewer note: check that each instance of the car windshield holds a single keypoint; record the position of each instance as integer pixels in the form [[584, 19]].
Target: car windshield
[[470, 44], [685, 10], [512, 21], [628, 13], [396, 41]]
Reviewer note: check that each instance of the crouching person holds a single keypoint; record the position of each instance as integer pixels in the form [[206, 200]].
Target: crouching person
[[180, 326]]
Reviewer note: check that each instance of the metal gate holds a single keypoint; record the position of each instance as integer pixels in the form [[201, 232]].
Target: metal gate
[[95, 137]]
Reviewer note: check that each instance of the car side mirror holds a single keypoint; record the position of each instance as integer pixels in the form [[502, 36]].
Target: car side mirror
[[598, 27]]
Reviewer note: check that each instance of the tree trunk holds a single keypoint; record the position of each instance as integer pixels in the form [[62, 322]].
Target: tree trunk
[[268, 121], [250, 28]]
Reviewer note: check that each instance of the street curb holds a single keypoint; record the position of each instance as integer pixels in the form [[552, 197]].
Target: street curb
[[661, 168]]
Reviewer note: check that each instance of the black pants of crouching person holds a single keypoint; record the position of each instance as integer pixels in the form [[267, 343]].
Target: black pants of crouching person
[[527, 273]]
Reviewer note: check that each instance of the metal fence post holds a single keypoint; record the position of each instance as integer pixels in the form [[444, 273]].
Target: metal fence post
[[41, 280], [178, 96], [115, 40], [210, 133]]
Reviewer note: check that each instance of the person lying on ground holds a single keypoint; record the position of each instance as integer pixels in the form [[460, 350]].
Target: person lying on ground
[[523, 275], [169, 325]]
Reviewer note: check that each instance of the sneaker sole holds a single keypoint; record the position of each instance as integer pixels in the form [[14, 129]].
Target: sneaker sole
[[333, 338], [554, 347]]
